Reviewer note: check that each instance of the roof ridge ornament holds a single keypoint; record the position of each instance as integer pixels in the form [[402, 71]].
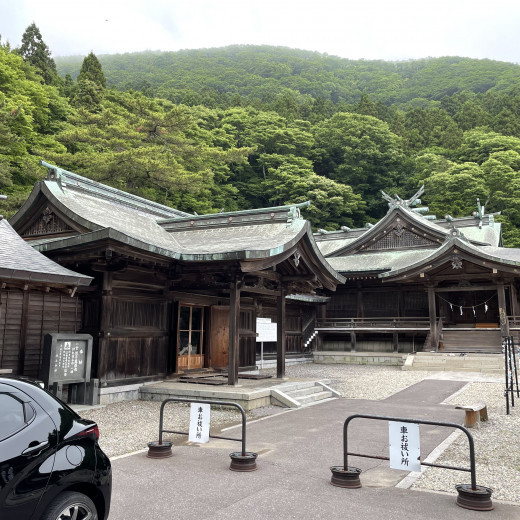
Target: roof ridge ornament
[[406, 203], [294, 214], [55, 174], [455, 233]]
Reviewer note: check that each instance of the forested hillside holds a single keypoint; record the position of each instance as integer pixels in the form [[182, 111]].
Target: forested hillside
[[261, 75], [244, 127]]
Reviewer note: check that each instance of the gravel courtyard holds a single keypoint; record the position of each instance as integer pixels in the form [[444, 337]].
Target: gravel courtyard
[[128, 426]]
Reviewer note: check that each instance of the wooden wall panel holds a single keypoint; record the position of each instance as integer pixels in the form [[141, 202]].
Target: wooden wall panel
[[137, 357], [45, 313], [11, 324]]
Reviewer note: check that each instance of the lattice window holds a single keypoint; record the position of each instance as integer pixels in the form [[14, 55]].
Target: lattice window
[[399, 238]]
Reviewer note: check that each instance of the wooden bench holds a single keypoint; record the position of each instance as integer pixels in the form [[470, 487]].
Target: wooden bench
[[474, 414]]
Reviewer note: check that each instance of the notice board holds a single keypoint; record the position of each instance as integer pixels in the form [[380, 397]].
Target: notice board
[[67, 358]]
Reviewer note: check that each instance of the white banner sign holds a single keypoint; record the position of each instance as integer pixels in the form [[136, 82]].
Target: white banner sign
[[405, 446], [199, 422]]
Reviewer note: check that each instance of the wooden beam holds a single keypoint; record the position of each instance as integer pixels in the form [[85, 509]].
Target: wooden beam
[[105, 325], [260, 290], [513, 295], [234, 333], [23, 332], [280, 335], [469, 288], [433, 315], [268, 275], [302, 278]]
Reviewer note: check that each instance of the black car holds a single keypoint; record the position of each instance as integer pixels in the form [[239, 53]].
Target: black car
[[51, 465]]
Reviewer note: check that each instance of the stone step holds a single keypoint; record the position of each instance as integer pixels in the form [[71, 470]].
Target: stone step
[[297, 394], [312, 398], [490, 363]]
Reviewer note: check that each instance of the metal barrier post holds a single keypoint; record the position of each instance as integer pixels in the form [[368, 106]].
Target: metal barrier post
[[240, 461], [471, 496]]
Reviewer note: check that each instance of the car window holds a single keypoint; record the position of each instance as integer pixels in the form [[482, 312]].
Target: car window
[[12, 417]]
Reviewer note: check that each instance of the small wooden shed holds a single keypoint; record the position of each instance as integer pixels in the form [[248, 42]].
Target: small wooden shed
[[37, 296]]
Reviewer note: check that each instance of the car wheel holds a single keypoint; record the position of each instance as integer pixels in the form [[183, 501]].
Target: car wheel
[[71, 506]]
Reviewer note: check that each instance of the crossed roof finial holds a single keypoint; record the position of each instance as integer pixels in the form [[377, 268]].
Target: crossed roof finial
[[398, 201]]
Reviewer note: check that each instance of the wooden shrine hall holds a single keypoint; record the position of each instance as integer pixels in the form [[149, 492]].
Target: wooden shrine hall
[[414, 282], [174, 292]]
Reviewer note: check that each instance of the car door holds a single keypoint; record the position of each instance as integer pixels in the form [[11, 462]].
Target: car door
[[28, 442]]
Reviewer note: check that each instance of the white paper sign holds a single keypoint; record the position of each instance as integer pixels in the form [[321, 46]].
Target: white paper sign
[[199, 422], [266, 330], [405, 446]]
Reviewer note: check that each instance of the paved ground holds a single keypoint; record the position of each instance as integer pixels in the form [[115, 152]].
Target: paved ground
[[296, 449]]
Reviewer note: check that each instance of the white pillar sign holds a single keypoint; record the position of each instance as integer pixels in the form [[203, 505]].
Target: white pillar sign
[[405, 446], [199, 422]]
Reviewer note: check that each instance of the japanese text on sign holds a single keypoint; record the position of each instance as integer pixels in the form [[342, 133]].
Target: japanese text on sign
[[69, 359], [199, 422], [405, 447]]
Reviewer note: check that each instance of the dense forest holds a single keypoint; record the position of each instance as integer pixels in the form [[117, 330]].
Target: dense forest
[[255, 126]]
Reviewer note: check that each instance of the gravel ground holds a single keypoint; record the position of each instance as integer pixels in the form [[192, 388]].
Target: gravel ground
[[128, 426], [497, 447]]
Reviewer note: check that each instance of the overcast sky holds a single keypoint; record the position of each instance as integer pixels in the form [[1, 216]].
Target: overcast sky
[[370, 29]]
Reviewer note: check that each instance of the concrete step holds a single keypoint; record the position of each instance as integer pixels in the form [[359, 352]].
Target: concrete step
[[487, 363], [312, 398], [302, 392], [298, 394]]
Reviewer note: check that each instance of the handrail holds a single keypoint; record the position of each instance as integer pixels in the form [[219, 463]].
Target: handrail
[[373, 322]]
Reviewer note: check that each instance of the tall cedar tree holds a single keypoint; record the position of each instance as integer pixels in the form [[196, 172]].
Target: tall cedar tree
[[34, 51], [91, 70]]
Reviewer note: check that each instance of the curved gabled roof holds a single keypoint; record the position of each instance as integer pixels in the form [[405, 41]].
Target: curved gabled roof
[[457, 247], [416, 224], [19, 261], [94, 212], [378, 261]]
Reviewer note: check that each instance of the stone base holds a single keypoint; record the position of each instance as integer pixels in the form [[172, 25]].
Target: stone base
[[360, 358]]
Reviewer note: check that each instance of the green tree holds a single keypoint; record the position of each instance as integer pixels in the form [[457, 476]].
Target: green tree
[[480, 143], [91, 70], [362, 152], [466, 180], [35, 51]]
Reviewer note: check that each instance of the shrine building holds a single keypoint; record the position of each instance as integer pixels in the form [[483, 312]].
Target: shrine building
[[418, 283], [174, 292]]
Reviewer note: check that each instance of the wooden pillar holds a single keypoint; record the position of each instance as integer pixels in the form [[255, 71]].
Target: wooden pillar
[[513, 294], [352, 341], [502, 309], [280, 334], [433, 316], [105, 326], [23, 331], [360, 305], [400, 304], [234, 333]]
